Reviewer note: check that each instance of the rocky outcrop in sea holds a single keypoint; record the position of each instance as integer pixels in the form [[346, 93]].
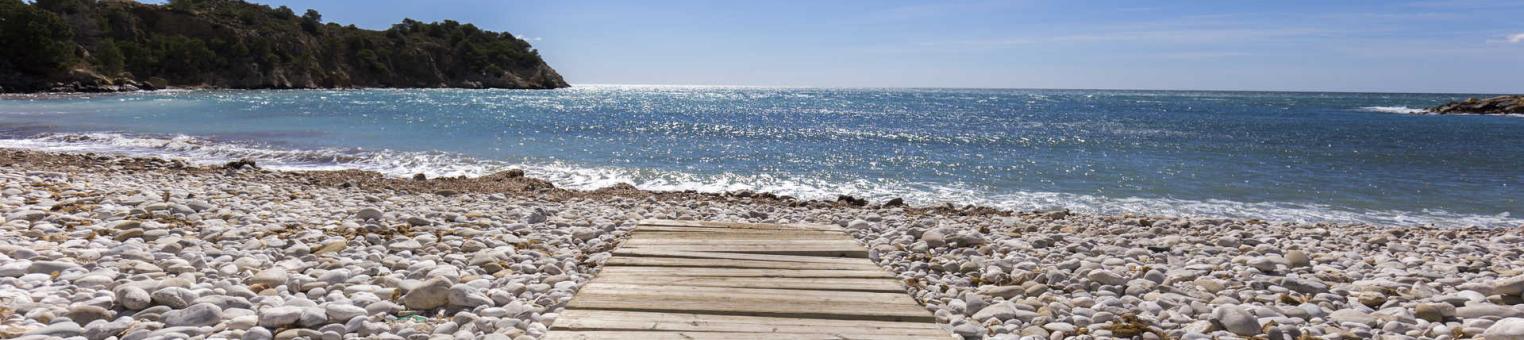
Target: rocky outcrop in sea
[[1494, 105]]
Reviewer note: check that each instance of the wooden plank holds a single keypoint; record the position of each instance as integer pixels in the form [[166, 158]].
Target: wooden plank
[[658, 299], [636, 261], [732, 256], [589, 324], [701, 319], [736, 225], [742, 272], [660, 335], [860, 285], [801, 250], [790, 235], [717, 280], [690, 230], [757, 307], [834, 244], [759, 293]]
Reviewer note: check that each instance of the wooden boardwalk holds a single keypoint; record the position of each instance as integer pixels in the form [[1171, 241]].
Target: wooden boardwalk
[[714, 280]]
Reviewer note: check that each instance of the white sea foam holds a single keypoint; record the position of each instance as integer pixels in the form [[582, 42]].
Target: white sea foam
[[1413, 111], [574, 176], [1396, 109]]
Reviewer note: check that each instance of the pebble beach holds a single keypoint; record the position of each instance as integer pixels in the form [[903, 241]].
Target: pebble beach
[[110, 247]]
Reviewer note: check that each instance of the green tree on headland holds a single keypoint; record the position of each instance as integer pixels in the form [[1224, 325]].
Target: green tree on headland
[[75, 45], [33, 40]]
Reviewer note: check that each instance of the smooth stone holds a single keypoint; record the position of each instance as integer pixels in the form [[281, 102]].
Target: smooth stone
[[935, 237], [270, 277], [311, 317], [342, 312], [467, 296], [1434, 312], [102, 330], [434, 293], [1262, 264], [404, 245], [1002, 291], [418, 221], [258, 333], [332, 246], [87, 313], [1004, 310], [201, 314], [1106, 277], [584, 234], [1353, 316], [277, 317], [1509, 286], [382, 307], [1304, 285], [59, 330], [174, 297], [1237, 320], [369, 214], [297, 333], [49, 267], [1298, 259], [1505, 329], [969, 331], [1487, 310], [335, 276], [1063, 327]]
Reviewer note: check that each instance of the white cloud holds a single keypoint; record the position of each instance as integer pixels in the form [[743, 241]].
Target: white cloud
[[1516, 38]]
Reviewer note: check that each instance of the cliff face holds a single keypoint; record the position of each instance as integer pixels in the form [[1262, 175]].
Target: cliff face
[[114, 45], [1494, 105]]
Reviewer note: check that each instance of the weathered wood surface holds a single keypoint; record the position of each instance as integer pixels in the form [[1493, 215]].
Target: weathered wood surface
[[718, 280]]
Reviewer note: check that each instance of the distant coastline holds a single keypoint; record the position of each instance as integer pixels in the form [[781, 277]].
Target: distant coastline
[[115, 46]]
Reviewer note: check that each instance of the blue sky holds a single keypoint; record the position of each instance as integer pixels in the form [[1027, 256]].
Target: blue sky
[[1387, 46]]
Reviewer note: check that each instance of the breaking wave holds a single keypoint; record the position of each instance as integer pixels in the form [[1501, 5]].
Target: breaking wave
[[1396, 109], [575, 176]]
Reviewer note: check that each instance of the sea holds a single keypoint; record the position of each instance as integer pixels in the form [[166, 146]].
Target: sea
[[1311, 157]]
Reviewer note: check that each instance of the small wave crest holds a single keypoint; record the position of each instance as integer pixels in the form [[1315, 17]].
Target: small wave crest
[[1395, 109], [580, 177], [1412, 111]]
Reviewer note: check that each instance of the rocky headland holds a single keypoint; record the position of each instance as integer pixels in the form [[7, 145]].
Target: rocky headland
[[1494, 105], [97, 247], [117, 45]]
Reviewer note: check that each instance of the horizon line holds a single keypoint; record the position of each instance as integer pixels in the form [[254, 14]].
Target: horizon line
[[574, 85]]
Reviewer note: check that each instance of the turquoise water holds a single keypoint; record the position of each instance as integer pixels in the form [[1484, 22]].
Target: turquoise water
[[1310, 157]]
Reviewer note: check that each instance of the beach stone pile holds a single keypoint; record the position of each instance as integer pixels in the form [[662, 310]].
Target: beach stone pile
[[1045, 275], [106, 255], [116, 248]]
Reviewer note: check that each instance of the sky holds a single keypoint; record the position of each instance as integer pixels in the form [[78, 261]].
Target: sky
[[1462, 46]]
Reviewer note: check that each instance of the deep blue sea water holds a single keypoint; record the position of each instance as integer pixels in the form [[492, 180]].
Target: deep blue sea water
[[1309, 157]]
